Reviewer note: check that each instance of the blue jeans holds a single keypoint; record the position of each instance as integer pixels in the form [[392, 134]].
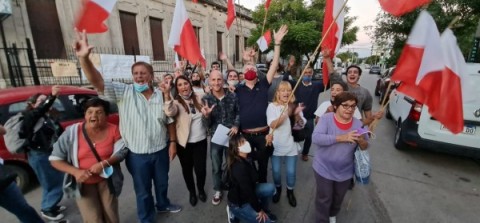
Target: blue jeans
[[144, 169], [264, 192], [217, 152], [309, 126], [290, 166], [11, 198], [49, 178]]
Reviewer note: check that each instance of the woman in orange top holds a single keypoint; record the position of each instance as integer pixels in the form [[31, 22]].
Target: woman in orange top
[[72, 154]]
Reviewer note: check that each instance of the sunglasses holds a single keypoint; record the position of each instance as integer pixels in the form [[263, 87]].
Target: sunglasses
[[192, 108]]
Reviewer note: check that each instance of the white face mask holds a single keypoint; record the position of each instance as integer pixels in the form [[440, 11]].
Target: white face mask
[[232, 82], [245, 148], [107, 172]]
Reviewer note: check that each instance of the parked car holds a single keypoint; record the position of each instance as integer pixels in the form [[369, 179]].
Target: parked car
[[382, 84], [416, 128], [67, 109], [375, 69]]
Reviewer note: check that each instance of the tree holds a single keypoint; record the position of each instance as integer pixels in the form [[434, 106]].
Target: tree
[[304, 23], [392, 32]]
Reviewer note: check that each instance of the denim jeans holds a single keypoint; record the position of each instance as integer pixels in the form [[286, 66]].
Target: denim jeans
[[11, 198], [264, 192], [217, 152], [144, 169], [308, 136], [290, 167], [49, 178]]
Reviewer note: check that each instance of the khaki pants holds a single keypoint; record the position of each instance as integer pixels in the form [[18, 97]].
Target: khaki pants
[[97, 204]]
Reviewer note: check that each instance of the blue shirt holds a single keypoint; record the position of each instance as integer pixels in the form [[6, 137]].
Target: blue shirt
[[253, 104]]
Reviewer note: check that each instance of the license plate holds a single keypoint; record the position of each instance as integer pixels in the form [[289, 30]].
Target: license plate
[[468, 130]]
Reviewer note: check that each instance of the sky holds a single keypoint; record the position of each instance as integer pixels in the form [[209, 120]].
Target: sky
[[364, 10]]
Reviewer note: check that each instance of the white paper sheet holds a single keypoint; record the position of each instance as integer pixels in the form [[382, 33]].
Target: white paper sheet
[[220, 136]]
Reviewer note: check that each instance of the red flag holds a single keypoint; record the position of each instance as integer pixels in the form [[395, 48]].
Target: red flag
[[400, 7], [333, 38], [93, 14], [195, 1], [420, 65], [267, 4], [450, 108], [231, 13], [182, 36], [264, 41]]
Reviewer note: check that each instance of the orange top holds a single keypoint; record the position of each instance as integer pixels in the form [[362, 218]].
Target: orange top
[[104, 148]]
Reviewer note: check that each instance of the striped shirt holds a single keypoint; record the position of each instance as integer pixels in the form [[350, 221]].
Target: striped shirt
[[142, 122]]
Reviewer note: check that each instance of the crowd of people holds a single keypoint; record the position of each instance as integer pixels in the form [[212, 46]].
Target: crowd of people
[[175, 114]]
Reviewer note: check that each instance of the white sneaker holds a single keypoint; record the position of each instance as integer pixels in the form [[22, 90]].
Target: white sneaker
[[333, 219], [231, 217], [217, 198]]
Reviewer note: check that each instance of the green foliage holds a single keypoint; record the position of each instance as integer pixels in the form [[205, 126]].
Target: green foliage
[[304, 22], [392, 32], [372, 59]]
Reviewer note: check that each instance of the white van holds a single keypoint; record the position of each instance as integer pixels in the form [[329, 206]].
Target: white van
[[416, 128]]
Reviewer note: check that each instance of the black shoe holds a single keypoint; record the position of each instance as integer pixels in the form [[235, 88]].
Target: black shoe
[[202, 196], [291, 198], [276, 196], [271, 216], [193, 199]]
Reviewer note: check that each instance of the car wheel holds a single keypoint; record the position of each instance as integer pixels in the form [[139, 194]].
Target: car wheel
[[23, 178], [398, 142]]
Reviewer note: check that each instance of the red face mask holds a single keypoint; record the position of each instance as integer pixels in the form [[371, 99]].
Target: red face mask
[[250, 75]]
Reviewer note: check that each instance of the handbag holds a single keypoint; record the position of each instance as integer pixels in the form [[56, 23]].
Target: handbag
[[111, 187], [7, 176], [362, 166]]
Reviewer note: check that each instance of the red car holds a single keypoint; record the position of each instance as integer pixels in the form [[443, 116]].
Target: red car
[[66, 108]]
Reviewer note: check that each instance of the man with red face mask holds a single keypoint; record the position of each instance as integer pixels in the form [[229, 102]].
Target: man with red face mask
[[253, 101]]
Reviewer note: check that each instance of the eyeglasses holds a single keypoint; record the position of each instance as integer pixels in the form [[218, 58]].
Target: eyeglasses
[[192, 108], [346, 106]]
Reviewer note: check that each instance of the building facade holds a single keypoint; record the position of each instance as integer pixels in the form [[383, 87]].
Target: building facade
[[136, 27]]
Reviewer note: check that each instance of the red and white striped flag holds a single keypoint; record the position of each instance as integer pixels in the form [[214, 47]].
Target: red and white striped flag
[[264, 41], [182, 36], [231, 13], [450, 108], [400, 7], [333, 38], [93, 14]]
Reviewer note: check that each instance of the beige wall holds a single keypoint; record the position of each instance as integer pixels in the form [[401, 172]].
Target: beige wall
[[208, 17]]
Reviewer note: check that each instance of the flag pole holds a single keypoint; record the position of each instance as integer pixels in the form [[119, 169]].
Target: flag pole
[[310, 61]]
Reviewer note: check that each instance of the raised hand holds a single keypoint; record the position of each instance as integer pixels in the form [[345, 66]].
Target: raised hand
[[55, 90], [280, 33], [249, 54], [164, 86], [80, 45], [326, 53], [299, 108], [222, 56], [206, 109]]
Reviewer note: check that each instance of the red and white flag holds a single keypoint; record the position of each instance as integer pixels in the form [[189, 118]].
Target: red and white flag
[[182, 36], [267, 4], [421, 65], [264, 41], [400, 7], [177, 62], [93, 14], [450, 109], [333, 38], [231, 13]]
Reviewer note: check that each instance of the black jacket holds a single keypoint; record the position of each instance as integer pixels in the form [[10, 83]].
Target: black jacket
[[244, 179], [43, 139]]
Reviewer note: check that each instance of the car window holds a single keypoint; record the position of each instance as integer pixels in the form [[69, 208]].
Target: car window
[[20, 106]]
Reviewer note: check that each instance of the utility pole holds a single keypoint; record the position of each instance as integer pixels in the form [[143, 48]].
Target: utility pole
[[473, 56]]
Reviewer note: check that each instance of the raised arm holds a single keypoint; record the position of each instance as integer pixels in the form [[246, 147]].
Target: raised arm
[[328, 60], [83, 50], [225, 59], [277, 36]]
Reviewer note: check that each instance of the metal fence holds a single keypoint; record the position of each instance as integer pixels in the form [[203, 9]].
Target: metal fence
[[25, 68]]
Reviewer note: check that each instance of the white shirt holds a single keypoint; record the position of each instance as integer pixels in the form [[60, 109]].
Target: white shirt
[[282, 136], [142, 122]]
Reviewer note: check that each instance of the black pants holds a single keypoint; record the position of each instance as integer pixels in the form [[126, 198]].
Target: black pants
[[194, 158], [309, 126], [261, 153]]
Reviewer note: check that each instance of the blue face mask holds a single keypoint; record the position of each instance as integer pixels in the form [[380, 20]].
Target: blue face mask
[[307, 79], [140, 87]]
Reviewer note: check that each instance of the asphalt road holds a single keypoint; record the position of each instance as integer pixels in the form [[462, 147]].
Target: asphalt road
[[405, 186]]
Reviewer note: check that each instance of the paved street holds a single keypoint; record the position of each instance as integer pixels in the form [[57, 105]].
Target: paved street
[[406, 186]]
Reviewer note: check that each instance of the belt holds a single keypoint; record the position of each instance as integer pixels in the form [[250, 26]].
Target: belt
[[258, 132]]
